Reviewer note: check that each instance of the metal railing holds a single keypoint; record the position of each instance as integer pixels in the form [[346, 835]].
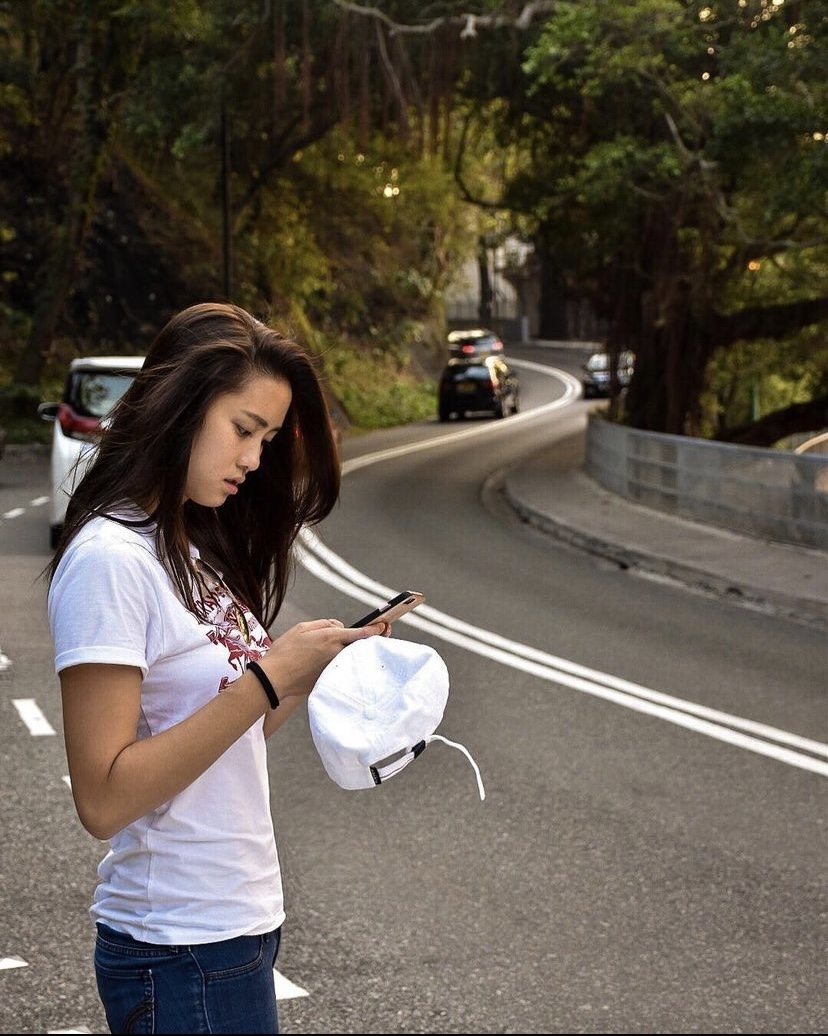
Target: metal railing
[[766, 493]]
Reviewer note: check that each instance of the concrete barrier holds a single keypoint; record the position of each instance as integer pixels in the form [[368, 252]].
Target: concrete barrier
[[771, 494]]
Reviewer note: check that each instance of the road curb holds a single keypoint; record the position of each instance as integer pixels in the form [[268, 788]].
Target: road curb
[[797, 609]]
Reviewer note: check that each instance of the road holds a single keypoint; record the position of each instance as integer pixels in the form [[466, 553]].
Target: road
[[630, 871]]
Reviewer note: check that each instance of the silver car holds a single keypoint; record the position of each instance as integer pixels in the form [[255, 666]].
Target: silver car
[[596, 378]]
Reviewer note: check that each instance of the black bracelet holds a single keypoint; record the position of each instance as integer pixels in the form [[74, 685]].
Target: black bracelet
[[267, 686]]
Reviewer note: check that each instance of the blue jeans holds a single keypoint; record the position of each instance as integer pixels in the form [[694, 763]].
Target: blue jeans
[[218, 987]]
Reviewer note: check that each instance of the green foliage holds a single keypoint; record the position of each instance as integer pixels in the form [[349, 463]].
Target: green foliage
[[18, 415], [14, 328], [377, 386], [357, 238], [668, 158], [677, 159], [755, 378], [18, 401]]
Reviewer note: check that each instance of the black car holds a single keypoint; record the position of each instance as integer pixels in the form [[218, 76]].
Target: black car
[[473, 342], [478, 386]]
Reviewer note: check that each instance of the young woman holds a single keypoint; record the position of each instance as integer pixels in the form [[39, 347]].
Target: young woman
[[175, 558]]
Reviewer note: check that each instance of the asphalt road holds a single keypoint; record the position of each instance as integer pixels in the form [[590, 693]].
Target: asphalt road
[[630, 870]]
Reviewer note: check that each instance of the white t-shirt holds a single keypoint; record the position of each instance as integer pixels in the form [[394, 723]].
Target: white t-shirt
[[202, 867]]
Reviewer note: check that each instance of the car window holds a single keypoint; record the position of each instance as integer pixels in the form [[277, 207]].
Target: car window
[[598, 362], [480, 340], [469, 343], [94, 393], [601, 361], [465, 372]]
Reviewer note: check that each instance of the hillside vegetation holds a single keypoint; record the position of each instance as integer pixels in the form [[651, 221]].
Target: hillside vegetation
[[330, 165]]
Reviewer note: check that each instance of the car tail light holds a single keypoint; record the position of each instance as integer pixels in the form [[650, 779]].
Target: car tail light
[[76, 426], [468, 349]]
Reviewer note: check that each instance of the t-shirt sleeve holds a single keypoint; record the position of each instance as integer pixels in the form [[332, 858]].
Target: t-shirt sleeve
[[102, 603]]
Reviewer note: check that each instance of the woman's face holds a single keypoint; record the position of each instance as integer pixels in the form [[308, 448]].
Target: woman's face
[[229, 443]]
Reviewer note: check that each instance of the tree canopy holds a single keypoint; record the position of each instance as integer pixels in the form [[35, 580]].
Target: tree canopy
[[689, 167], [335, 162]]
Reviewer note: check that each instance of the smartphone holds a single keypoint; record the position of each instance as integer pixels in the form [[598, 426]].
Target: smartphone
[[392, 609]]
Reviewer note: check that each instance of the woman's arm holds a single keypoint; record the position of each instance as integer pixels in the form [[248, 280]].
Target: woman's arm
[[117, 778]]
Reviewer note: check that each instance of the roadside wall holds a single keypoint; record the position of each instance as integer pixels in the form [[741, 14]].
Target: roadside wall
[[770, 494]]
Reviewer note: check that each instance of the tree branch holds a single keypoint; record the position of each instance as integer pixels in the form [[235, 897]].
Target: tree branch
[[799, 417], [467, 23], [768, 321]]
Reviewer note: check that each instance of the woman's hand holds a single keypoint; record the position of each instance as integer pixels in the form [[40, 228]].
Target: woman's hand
[[117, 778], [296, 658]]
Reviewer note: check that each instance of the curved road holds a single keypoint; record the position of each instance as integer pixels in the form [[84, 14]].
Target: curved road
[[637, 865]]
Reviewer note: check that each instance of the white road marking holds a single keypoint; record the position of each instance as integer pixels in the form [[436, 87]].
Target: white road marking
[[761, 738], [16, 512], [285, 989], [333, 570], [572, 390], [34, 719]]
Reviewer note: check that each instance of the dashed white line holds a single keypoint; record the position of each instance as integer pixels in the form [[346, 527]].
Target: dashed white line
[[12, 962], [285, 989], [34, 719], [17, 512]]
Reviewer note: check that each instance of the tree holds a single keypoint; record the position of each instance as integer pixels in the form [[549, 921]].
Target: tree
[[662, 152], [667, 159], [69, 68], [678, 148], [111, 103]]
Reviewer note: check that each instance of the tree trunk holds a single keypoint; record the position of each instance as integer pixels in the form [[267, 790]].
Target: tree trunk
[[57, 272], [553, 324], [56, 277], [799, 417], [485, 310]]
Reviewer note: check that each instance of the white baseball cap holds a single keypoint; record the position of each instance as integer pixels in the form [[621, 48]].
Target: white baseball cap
[[375, 707]]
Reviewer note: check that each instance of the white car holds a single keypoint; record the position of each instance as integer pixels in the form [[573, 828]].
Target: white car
[[94, 384]]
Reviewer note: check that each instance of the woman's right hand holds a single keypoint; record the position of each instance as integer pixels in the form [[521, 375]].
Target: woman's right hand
[[296, 658], [117, 777]]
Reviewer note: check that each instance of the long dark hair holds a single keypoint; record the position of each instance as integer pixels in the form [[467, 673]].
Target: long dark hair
[[203, 352]]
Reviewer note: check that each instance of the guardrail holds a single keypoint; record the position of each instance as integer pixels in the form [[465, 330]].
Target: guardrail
[[766, 493]]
